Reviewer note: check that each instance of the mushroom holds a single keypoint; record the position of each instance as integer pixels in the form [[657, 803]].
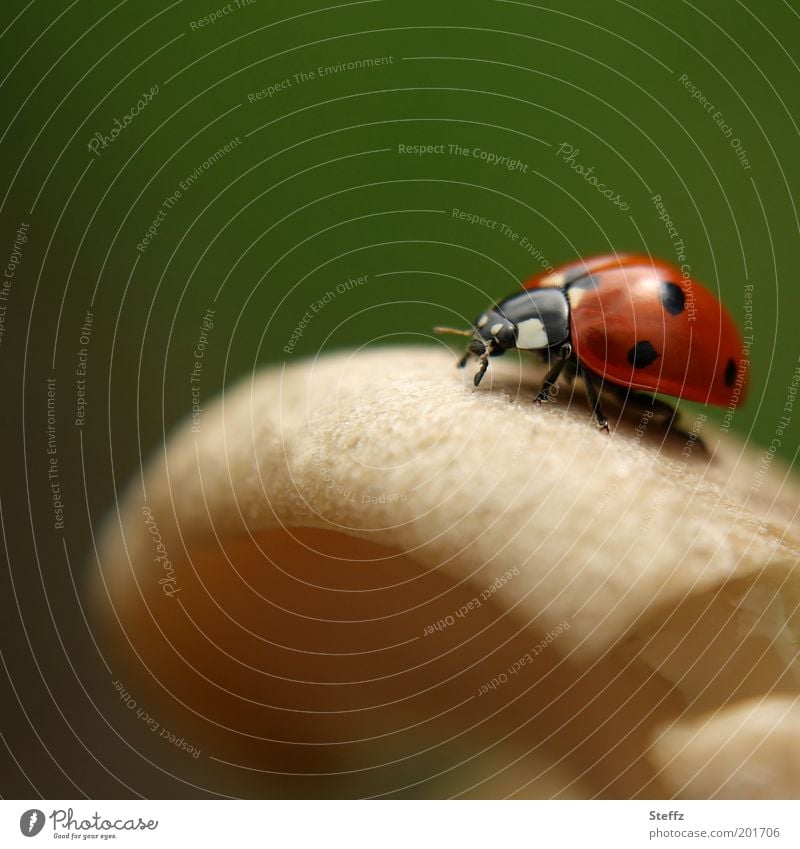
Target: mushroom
[[359, 576]]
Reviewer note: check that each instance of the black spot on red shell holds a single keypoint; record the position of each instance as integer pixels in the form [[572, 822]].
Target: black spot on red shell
[[672, 298], [730, 373], [642, 354]]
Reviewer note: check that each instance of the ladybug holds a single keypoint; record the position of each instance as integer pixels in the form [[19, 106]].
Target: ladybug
[[627, 320]]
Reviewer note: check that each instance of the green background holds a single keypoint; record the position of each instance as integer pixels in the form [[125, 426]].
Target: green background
[[317, 192]]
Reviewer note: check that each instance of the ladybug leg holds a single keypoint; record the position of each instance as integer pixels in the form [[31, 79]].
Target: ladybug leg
[[484, 360], [570, 371], [594, 401], [549, 383], [641, 401], [666, 413], [552, 376], [475, 347], [659, 407]]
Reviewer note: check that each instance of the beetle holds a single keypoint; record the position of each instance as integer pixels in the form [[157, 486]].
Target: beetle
[[628, 320]]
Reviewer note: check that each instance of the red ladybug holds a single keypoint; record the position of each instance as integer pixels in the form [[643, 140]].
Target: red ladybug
[[628, 320]]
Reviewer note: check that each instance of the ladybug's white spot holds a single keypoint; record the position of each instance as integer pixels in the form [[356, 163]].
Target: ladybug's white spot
[[495, 328], [575, 295], [482, 320], [552, 281], [531, 334]]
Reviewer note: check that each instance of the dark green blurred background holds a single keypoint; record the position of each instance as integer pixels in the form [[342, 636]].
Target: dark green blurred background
[[317, 192]]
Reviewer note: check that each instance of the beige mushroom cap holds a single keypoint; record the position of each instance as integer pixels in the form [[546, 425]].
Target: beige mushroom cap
[[360, 576]]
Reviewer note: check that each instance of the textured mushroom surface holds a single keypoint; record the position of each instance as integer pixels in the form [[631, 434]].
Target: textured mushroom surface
[[746, 751], [360, 576]]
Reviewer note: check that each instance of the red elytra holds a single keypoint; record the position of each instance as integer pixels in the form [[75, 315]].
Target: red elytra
[[639, 322]]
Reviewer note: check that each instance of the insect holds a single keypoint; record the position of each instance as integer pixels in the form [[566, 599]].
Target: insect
[[626, 320]]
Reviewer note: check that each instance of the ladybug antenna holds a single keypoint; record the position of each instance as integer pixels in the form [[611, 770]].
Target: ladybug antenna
[[453, 330]]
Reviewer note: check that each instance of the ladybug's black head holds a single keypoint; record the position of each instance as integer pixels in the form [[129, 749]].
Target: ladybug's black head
[[492, 334], [495, 332], [529, 320]]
